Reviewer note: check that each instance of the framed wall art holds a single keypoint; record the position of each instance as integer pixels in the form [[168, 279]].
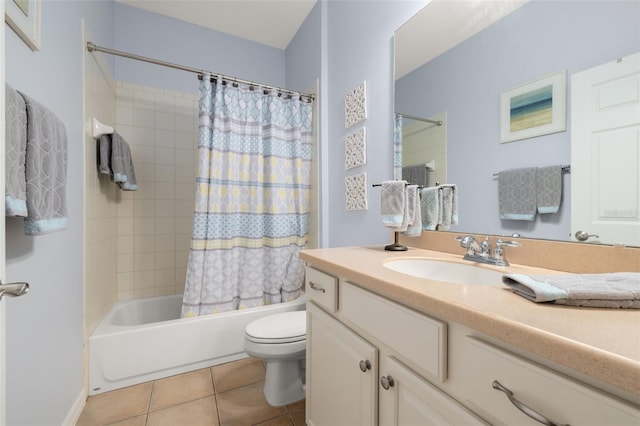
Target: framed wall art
[[23, 16], [535, 108]]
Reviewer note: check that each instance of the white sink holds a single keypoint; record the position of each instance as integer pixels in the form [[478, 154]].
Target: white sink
[[441, 270]]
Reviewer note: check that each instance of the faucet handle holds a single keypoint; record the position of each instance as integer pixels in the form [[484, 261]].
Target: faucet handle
[[501, 243]]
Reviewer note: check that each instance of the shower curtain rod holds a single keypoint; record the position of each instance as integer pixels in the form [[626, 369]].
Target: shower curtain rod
[[426, 120], [91, 47]]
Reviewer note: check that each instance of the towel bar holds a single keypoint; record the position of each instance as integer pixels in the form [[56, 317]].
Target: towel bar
[[98, 129]]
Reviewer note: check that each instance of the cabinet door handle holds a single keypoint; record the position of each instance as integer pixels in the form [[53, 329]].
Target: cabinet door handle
[[316, 287], [523, 407], [387, 382], [365, 365]]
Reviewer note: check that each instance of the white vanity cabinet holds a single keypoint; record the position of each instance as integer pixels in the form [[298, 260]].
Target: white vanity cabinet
[[362, 358], [373, 361]]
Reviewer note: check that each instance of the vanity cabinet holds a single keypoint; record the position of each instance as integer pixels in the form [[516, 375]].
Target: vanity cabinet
[[357, 356], [373, 361]]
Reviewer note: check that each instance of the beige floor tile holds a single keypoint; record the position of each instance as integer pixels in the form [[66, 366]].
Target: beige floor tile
[[121, 404], [134, 421], [296, 406], [297, 416], [245, 406], [199, 412], [238, 373], [278, 421], [181, 388]]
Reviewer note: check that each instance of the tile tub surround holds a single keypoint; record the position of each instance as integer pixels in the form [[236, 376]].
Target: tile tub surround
[[601, 345]]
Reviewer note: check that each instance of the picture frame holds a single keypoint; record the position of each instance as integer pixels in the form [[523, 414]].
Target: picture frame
[[23, 16], [535, 108]]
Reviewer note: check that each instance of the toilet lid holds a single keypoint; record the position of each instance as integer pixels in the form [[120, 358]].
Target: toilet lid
[[279, 328]]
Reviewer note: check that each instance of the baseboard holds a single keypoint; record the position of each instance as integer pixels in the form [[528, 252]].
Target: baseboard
[[76, 409]]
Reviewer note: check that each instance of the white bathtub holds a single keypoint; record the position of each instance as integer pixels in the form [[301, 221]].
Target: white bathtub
[[145, 339]]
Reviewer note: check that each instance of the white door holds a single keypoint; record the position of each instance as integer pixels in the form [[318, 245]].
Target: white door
[[3, 411], [605, 152]]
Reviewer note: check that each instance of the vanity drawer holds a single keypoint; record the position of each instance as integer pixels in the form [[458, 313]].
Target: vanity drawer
[[560, 399], [321, 288], [418, 341]]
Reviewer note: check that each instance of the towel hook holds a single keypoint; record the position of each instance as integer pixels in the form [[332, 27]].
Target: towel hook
[[98, 129]]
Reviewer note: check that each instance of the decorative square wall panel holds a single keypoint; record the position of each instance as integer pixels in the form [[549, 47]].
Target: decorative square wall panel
[[355, 105], [355, 149], [356, 191]]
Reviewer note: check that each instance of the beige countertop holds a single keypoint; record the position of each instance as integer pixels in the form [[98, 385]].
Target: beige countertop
[[603, 344]]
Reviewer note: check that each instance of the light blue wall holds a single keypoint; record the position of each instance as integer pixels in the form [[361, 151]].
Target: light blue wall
[[156, 36], [540, 38], [45, 327], [359, 46], [303, 54]]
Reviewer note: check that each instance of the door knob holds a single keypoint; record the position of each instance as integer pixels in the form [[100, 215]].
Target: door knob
[[13, 289], [584, 236]]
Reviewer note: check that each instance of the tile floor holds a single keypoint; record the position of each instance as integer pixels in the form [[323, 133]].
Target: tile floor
[[224, 395]]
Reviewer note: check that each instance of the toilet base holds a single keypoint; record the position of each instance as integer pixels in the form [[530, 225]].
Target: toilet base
[[283, 384]]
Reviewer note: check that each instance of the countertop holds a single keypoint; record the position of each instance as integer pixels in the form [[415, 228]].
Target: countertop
[[603, 344]]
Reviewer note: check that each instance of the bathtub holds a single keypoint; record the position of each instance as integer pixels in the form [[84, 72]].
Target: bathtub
[[145, 339]]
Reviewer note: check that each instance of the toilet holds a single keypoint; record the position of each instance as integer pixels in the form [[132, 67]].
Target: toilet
[[280, 340]]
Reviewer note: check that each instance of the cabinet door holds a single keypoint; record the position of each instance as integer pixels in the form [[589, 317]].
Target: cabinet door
[[338, 391], [409, 400]]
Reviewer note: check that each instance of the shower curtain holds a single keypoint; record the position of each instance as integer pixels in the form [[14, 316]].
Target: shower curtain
[[252, 199], [397, 147]]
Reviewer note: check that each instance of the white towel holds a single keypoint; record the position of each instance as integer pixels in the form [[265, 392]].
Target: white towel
[[517, 194], [430, 208], [613, 290], [414, 229], [393, 203], [448, 196]]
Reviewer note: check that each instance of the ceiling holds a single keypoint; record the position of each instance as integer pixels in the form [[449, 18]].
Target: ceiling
[[270, 22]]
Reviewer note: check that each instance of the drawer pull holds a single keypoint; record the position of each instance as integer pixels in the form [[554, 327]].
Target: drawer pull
[[316, 287], [523, 407], [365, 365], [387, 382]]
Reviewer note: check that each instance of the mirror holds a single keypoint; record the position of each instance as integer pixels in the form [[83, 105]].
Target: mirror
[[457, 67]]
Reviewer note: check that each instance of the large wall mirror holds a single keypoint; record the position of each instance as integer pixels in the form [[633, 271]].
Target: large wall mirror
[[453, 61]]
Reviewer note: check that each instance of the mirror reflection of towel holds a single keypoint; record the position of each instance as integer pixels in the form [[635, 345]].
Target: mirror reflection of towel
[[517, 194], [548, 189], [416, 175]]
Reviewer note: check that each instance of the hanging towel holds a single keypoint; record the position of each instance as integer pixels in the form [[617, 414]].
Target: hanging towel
[[548, 189], [115, 160], [448, 196], [430, 208], [517, 194], [417, 175], [393, 203], [45, 170], [16, 149], [414, 228], [613, 290]]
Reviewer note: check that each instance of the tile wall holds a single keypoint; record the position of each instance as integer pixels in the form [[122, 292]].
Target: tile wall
[[154, 222]]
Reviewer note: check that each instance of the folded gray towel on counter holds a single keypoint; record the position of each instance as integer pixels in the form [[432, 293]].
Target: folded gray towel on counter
[[45, 170], [548, 189], [517, 194], [16, 150], [115, 159], [612, 290]]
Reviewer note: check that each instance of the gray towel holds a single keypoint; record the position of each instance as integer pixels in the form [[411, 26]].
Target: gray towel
[[517, 194], [115, 160], [414, 226], [16, 149], [46, 170], [393, 203], [548, 188], [417, 175], [613, 290]]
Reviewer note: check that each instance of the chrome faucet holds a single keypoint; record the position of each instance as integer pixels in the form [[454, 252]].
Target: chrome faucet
[[481, 252]]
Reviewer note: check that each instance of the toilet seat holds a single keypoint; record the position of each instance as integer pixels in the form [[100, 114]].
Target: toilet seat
[[287, 327]]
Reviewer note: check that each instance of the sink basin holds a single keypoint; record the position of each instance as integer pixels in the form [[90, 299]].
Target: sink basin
[[441, 270]]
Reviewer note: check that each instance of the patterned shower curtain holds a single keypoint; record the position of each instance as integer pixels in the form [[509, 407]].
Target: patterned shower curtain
[[252, 199], [397, 147]]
